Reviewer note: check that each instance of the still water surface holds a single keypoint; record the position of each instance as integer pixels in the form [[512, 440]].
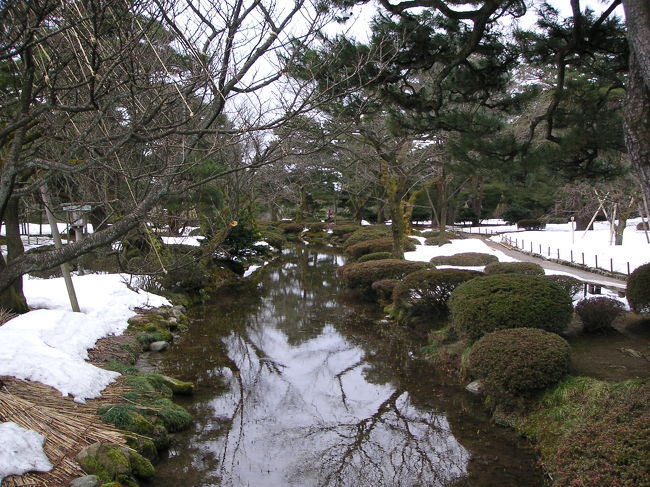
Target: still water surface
[[295, 389]]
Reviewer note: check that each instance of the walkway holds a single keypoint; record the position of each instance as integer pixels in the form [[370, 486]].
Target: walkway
[[584, 275]]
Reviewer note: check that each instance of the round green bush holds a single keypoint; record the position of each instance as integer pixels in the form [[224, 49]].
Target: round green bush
[[527, 268], [375, 256], [368, 232], [638, 289], [317, 227], [361, 275], [384, 289], [425, 293], [531, 224], [273, 238], [465, 259], [597, 314], [292, 228], [501, 301], [570, 284], [376, 245], [339, 230], [518, 362], [440, 239]]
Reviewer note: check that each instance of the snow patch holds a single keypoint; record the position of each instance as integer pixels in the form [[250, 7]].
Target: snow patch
[[22, 451]]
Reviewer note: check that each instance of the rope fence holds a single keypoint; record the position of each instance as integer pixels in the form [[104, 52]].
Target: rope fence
[[587, 260]]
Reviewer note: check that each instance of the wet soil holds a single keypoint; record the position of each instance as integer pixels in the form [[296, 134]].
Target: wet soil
[[621, 354]]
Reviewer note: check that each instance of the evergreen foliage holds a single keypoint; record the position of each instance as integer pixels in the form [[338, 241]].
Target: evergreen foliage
[[518, 362], [527, 268], [465, 259], [360, 276], [502, 301], [638, 289], [424, 294]]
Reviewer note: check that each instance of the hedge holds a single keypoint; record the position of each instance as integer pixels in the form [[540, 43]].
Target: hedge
[[369, 232], [375, 256], [361, 275], [518, 362], [376, 245], [465, 259], [425, 293], [527, 268], [501, 301], [638, 289]]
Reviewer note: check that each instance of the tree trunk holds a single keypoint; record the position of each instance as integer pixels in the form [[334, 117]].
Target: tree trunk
[[637, 124], [12, 298], [394, 198]]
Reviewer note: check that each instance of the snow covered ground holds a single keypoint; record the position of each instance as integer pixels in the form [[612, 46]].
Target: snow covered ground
[[50, 345], [594, 245]]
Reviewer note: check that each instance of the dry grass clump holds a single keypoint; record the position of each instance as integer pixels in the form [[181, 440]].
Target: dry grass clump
[[6, 316], [67, 426]]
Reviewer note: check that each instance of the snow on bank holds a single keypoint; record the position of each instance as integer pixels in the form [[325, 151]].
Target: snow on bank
[[22, 451], [594, 244], [50, 345], [424, 253]]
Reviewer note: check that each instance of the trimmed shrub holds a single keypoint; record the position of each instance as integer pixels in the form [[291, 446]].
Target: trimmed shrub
[[518, 363], [598, 314], [570, 284], [465, 259], [317, 227], [369, 232], [361, 275], [292, 228], [384, 289], [527, 268], [638, 289], [375, 256], [425, 293], [273, 238], [642, 226], [501, 301], [440, 238], [531, 224], [339, 230], [377, 245]]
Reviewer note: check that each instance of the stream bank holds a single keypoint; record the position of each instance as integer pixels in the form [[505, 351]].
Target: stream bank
[[294, 387]]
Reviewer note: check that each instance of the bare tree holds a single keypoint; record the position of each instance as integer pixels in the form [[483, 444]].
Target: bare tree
[[135, 95]]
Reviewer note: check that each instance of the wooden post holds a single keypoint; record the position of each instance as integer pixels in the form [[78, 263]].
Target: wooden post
[[65, 270]]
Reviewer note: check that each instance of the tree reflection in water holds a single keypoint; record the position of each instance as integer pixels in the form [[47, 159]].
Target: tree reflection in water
[[307, 405]]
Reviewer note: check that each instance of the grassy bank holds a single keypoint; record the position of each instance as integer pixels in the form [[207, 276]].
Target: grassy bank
[[589, 432]]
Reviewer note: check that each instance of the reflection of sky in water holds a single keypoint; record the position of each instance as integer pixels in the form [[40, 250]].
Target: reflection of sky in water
[[303, 414]]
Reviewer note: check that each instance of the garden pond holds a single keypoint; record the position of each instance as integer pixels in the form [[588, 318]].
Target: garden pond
[[296, 387]]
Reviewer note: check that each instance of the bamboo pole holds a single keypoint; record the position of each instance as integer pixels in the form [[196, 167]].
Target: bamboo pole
[[65, 269]]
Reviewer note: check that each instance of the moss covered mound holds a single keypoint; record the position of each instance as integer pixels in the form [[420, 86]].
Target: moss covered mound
[[424, 294], [369, 232], [638, 289], [360, 276], [502, 301], [292, 228], [465, 259], [526, 268], [519, 362], [375, 256], [597, 314], [376, 245]]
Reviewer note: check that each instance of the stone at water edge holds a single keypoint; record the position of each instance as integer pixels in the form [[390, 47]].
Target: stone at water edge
[[158, 346], [86, 481], [474, 387], [178, 387]]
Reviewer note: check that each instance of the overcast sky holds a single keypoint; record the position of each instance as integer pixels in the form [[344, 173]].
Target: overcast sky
[[357, 26]]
